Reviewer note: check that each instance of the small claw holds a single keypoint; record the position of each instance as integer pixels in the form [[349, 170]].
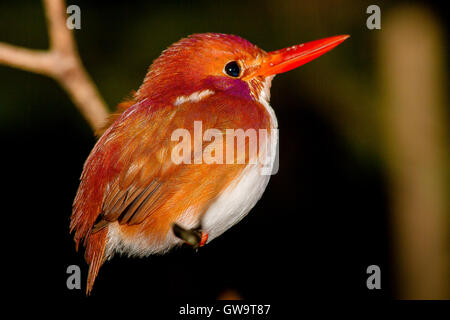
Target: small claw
[[204, 238], [194, 237]]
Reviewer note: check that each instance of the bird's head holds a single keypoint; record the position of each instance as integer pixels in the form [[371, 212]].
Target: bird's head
[[227, 63]]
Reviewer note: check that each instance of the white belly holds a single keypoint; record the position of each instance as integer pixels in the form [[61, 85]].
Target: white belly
[[235, 202]]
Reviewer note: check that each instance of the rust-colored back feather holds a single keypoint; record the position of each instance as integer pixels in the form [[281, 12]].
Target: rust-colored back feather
[[121, 107]]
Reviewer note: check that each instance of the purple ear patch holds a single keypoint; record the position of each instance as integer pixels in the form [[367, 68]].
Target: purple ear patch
[[235, 87]]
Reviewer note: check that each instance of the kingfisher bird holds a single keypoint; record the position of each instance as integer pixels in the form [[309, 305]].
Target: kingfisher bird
[[133, 198]]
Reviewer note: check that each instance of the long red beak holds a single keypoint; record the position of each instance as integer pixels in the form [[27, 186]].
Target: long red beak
[[289, 58]]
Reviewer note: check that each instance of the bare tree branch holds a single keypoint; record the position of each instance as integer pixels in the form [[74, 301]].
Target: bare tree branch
[[62, 63]]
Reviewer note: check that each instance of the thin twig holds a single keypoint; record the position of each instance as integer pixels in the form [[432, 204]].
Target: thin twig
[[61, 62]]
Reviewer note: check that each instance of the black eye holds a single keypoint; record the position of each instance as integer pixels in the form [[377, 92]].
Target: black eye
[[232, 69]]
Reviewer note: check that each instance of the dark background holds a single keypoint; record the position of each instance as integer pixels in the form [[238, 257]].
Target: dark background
[[324, 216]]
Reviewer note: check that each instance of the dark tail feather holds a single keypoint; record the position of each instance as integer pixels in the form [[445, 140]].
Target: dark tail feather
[[95, 255]]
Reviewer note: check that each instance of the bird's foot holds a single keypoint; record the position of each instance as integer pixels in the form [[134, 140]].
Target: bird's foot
[[193, 237]]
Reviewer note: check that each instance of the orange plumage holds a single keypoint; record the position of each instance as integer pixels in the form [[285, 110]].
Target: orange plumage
[[131, 191]]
